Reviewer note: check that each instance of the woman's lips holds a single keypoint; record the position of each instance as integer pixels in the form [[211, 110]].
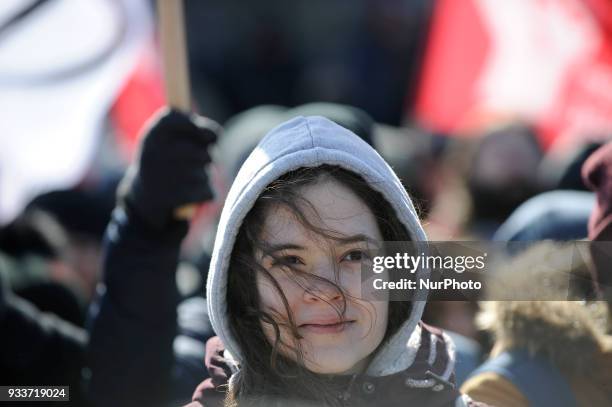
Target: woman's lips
[[326, 327]]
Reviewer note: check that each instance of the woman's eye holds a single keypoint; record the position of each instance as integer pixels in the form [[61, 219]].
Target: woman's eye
[[293, 260], [288, 260], [355, 255]]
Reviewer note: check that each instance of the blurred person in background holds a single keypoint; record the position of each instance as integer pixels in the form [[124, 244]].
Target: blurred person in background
[[597, 174], [501, 174], [41, 316], [554, 215], [83, 212], [134, 321], [549, 346], [563, 211], [33, 249], [39, 348]]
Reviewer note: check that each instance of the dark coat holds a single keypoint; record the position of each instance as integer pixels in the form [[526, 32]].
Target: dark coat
[[400, 389], [133, 321]]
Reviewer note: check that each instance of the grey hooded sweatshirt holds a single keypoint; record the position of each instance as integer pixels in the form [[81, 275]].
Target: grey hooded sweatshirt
[[420, 356]]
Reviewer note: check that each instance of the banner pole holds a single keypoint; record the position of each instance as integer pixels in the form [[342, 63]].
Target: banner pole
[[174, 53], [176, 68]]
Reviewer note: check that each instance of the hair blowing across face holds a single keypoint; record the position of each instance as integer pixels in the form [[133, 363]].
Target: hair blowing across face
[[265, 374]]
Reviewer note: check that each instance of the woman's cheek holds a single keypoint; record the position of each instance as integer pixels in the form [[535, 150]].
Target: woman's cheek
[[271, 299], [351, 280]]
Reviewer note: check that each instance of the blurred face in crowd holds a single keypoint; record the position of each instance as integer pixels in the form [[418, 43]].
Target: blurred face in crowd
[[321, 280]]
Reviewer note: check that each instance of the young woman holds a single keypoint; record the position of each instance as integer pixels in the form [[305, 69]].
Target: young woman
[[308, 206]]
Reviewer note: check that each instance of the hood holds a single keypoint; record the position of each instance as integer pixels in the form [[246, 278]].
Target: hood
[[311, 142]]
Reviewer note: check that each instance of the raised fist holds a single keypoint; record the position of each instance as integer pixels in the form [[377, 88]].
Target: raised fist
[[170, 170]]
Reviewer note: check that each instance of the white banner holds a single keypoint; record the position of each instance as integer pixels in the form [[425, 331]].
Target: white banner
[[61, 67]]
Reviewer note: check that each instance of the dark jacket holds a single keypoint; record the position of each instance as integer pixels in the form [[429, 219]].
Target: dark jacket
[[39, 348], [133, 321], [400, 389]]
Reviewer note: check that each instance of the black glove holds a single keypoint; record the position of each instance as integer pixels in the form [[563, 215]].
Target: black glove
[[170, 171]]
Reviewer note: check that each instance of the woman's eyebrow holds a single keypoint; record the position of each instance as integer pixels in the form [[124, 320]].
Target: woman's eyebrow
[[361, 237], [280, 247]]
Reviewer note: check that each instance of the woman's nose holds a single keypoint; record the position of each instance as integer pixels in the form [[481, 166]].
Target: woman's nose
[[322, 285], [328, 293]]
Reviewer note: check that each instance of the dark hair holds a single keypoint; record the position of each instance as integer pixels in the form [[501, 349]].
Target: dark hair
[[265, 372]]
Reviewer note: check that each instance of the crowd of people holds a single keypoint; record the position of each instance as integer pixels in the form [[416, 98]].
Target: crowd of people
[[255, 300], [127, 321]]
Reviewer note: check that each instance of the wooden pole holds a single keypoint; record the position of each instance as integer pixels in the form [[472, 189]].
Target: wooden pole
[[174, 53], [176, 68]]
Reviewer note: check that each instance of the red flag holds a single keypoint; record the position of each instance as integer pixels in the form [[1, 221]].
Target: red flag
[[142, 95], [547, 62]]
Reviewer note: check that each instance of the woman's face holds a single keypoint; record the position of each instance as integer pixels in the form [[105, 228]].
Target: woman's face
[[331, 342]]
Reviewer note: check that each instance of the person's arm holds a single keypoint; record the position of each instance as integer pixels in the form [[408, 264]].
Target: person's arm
[[133, 322]]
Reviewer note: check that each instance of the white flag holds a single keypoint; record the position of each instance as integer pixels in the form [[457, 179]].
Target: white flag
[[61, 67]]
